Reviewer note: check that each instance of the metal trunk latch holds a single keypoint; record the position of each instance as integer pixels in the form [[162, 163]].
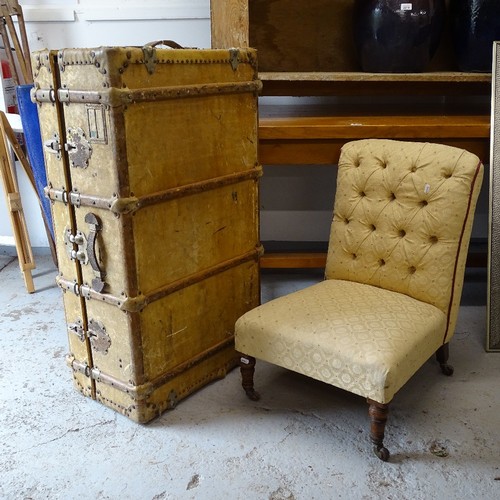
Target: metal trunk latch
[[53, 146], [76, 328], [98, 336], [80, 240], [96, 333], [78, 148]]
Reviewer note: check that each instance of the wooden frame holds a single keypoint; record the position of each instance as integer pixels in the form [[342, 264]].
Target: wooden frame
[[13, 198], [8, 33], [493, 308]]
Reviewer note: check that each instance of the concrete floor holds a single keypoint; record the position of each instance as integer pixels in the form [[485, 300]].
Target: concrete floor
[[303, 440]]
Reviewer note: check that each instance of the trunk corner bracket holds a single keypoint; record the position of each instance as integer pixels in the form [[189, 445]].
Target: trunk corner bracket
[[172, 399], [149, 58], [234, 58]]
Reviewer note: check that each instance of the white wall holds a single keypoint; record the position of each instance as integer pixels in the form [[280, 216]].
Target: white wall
[[58, 24], [90, 23]]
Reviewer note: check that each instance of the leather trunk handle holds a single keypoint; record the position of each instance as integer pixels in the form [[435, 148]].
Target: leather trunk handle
[[167, 43]]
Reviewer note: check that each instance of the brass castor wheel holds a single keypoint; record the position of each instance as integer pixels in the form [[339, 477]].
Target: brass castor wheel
[[382, 452], [252, 394], [447, 369]]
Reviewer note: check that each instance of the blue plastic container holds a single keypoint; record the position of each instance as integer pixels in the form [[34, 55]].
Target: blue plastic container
[[33, 140]]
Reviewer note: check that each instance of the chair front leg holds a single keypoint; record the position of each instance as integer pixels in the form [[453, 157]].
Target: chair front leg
[[442, 355], [247, 368], [378, 417]]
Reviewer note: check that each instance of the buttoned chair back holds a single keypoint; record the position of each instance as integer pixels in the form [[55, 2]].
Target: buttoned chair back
[[402, 219], [398, 246]]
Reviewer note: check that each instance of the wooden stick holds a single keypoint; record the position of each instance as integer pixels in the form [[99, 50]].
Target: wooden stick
[[14, 204], [21, 58], [8, 50], [26, 48]]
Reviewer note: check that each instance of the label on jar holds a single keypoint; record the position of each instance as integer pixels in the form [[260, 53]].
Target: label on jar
[[406, 6]]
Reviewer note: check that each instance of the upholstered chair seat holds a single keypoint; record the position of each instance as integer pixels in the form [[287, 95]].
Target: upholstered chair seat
[[398, 245]]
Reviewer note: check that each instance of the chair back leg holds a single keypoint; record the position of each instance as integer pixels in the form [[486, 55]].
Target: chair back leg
[[442, 355]]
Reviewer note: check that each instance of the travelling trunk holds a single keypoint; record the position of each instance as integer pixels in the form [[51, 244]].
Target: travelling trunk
[[151, 158]]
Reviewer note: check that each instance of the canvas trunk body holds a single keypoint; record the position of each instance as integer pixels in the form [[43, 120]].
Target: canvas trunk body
[[152, 170]]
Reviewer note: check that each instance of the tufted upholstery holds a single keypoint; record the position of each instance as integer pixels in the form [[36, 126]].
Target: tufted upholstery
[[403, 214], [402, 221]]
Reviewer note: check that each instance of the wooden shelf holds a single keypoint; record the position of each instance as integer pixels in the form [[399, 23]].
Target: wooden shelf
[[314, 135], [355, 83], [293, 260], [352, 76], [317, 260]]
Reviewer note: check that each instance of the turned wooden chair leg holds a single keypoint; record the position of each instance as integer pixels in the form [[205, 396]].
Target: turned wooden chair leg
[[378, 417], [247, 367], [442, 355]]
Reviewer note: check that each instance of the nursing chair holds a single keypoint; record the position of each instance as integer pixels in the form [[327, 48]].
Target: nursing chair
[[393, 280]]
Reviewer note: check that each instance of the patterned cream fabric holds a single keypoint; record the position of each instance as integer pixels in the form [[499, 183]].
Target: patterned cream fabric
[[398, 244], [358, 337]]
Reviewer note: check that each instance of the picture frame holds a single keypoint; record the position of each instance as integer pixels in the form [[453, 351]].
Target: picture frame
[[493, 293]]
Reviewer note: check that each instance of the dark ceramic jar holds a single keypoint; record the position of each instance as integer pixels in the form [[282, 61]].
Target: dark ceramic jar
[[394, 36], [475, 26]]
